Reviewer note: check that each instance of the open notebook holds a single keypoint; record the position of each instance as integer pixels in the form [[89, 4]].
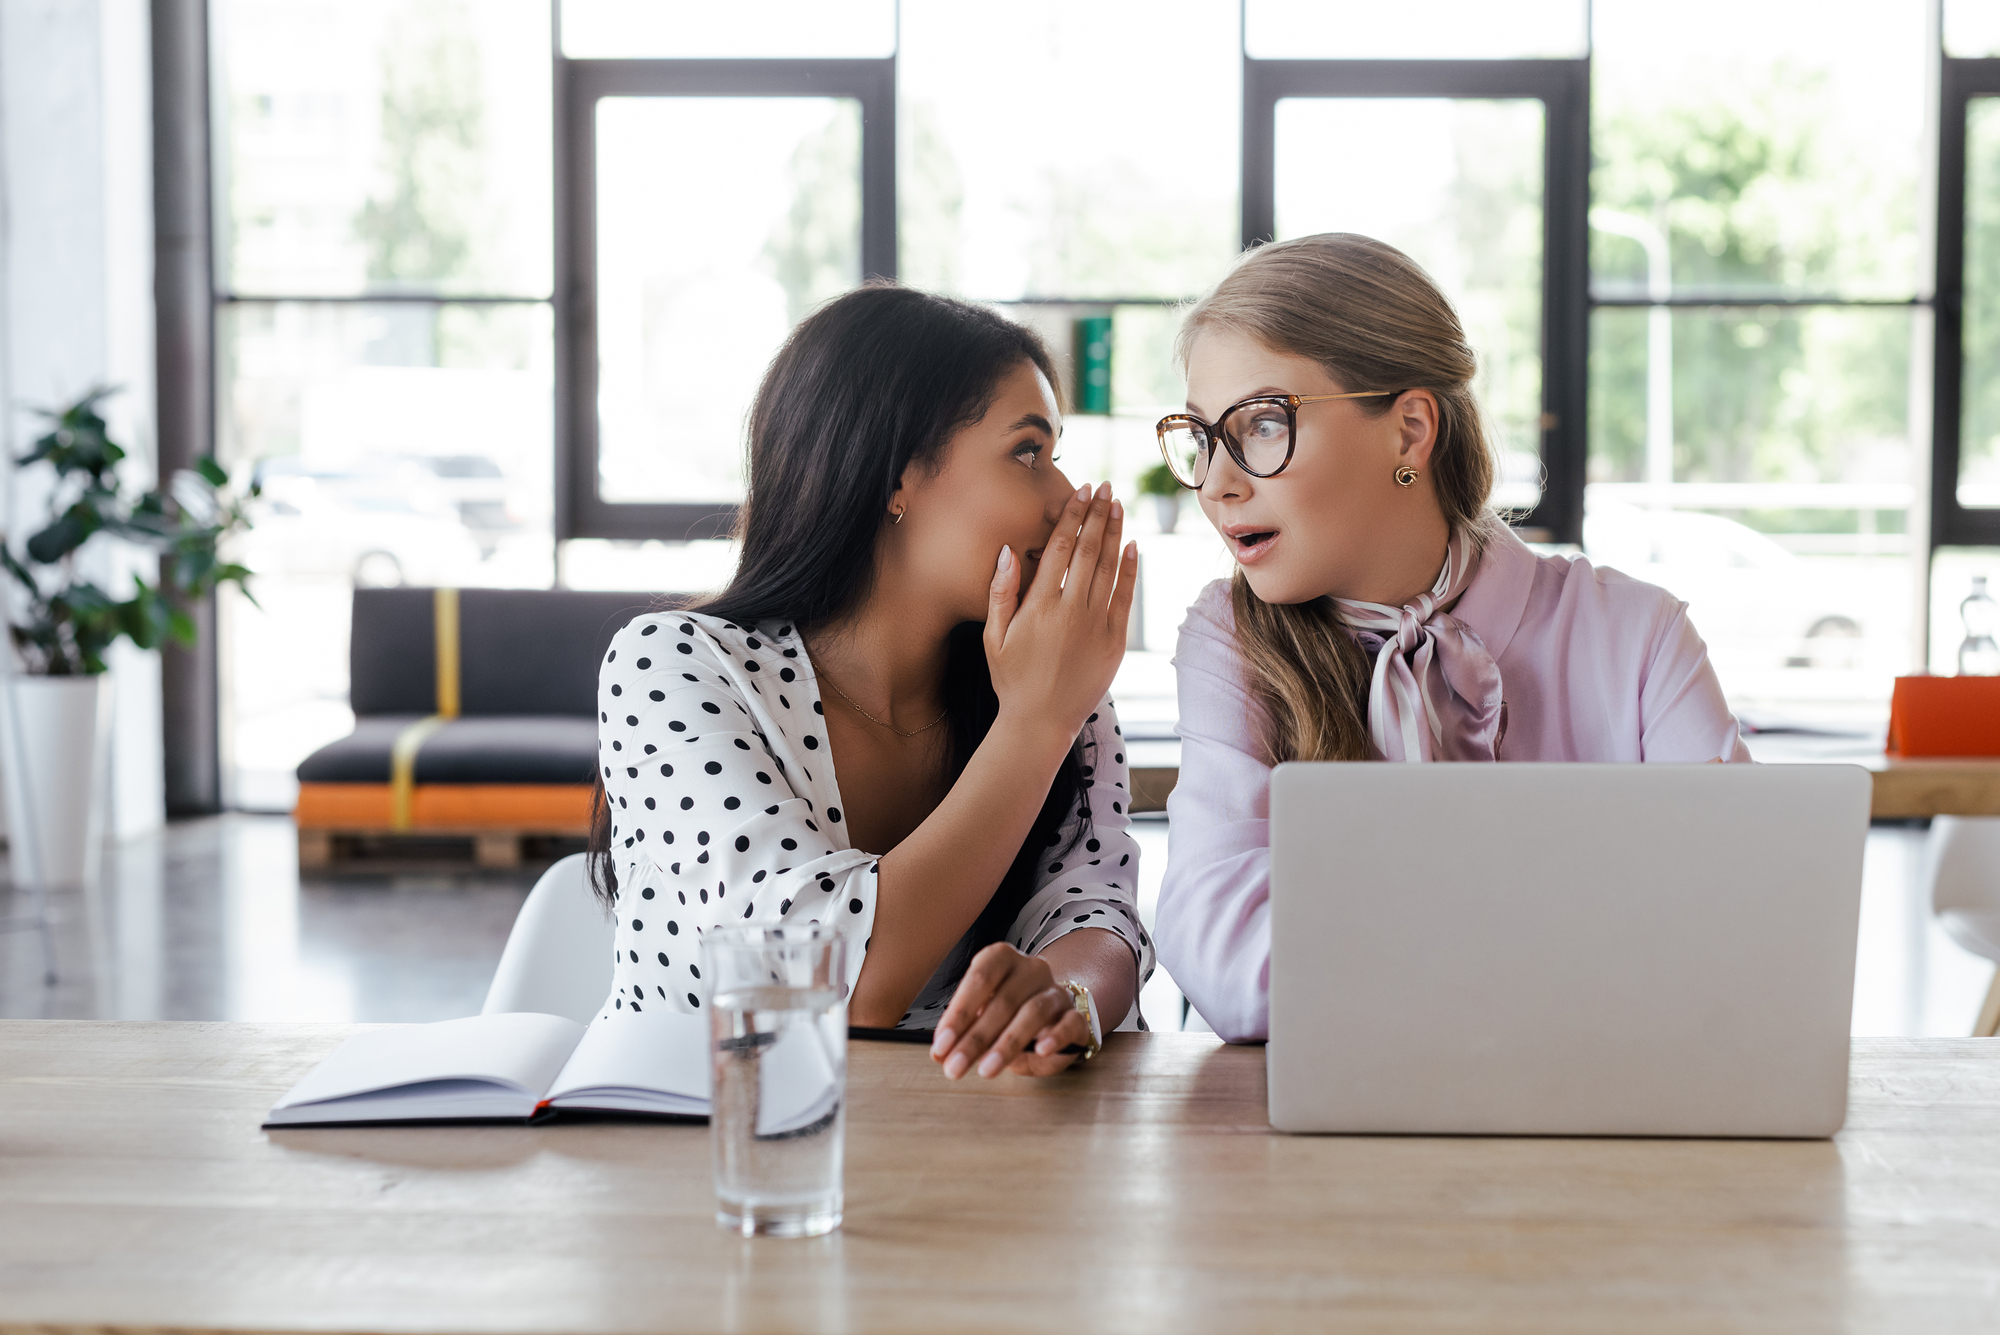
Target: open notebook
[[507, 1068], [523, 1067]]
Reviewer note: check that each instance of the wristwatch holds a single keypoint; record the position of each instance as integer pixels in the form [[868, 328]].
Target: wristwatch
[[1086, 1006]]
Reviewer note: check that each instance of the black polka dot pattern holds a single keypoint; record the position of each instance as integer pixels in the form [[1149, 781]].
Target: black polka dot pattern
[[752, 788]]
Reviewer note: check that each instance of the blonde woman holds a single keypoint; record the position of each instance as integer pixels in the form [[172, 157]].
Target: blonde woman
[[1379, 611]]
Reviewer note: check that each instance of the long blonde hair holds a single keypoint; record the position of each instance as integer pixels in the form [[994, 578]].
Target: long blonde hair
[[1373, 318]]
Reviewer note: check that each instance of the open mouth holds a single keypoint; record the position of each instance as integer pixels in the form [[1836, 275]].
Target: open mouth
[[1250, 545]]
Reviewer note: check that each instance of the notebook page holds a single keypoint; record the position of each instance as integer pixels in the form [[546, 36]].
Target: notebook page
[[520, 1051], [430, 1101], [661, 1053]]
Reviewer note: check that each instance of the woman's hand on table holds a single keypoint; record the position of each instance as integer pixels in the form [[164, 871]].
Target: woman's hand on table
[[1008, 1014]]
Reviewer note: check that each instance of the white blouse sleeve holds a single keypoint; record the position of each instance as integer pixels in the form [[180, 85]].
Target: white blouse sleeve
[[708, 827], [1090, 878]]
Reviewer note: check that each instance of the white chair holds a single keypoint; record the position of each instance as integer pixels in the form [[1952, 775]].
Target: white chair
[[1963, 865], [558, 957]]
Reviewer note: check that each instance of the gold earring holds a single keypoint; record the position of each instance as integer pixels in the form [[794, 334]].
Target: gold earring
[[898, 517], [1406, 476]]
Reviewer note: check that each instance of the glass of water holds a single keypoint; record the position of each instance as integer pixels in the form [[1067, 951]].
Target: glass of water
[[778, 1016]]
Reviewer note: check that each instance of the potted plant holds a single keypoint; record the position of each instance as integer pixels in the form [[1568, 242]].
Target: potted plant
[[1166, 490], [54, 713]]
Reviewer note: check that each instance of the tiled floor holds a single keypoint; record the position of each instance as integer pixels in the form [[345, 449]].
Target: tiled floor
[[210, 920]]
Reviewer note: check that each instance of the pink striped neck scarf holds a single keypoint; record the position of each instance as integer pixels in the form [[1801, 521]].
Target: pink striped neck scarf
[[1435, 694]]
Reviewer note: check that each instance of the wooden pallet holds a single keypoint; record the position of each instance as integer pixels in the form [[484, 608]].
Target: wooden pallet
[[363, 848]]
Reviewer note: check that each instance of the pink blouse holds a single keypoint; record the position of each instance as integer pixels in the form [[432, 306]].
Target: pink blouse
[[1594, 666]]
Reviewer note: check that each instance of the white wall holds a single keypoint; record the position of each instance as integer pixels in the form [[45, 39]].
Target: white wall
[[76, 295]]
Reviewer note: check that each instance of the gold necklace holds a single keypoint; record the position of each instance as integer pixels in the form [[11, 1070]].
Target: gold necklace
[[821, 672]]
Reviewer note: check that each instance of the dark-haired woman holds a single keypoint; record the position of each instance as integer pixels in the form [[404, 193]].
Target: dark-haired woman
[[1380, 611], [894, 718]]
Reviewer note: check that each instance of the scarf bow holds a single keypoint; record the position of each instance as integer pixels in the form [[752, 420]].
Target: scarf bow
[[1435, 693]]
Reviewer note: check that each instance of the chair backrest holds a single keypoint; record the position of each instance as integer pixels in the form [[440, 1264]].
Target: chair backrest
[[521, 651], [1962, 864], [558, 957]]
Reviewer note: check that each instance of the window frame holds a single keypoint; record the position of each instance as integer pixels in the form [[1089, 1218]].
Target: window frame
[[1563, 88], [1961, 79], [580, 512]]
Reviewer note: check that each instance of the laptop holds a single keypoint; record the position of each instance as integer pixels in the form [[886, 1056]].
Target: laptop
[[1564, 950]]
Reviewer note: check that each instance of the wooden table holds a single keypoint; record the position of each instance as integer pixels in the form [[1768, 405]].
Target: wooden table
[[1145, 1194], [1904, 789], [1935, 786]]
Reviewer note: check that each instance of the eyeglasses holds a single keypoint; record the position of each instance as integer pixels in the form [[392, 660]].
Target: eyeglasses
[[1258, 433]]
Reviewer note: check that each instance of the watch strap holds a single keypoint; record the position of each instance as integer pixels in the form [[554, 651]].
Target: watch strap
[[1086, 1006]]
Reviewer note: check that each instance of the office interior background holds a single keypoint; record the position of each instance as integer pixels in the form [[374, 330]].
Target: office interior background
[[477, 292]]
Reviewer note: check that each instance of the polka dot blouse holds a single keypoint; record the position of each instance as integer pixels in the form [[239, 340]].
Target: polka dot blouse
[[725, 809]]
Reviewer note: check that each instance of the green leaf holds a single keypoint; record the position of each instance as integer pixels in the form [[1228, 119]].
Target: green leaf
[[69, 630], [64, 536], [20, 572], [194, 567], [80, 442], [141, 620]]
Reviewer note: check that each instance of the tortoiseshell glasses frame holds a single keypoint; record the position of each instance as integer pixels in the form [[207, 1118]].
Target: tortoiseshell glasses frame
[[1188, 443]]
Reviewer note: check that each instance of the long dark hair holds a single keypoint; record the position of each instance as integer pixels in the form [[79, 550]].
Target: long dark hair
[[870, 385]]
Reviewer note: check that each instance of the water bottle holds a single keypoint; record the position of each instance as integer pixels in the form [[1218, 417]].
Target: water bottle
[[1979, 654]]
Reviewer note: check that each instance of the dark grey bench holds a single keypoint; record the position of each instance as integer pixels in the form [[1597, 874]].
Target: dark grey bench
[[517, 760]]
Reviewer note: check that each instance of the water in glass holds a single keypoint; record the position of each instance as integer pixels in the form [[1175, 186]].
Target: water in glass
[[779, 1020]]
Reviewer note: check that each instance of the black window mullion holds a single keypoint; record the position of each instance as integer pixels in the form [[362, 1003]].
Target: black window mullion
[[1954, 525], [1259, 202], [1565, 304]]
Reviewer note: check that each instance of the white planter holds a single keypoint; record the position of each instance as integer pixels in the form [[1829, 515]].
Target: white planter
[[53, 734], [1167, 511]]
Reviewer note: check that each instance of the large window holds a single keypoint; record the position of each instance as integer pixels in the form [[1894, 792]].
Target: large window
[[386, 346], [1075, 167], [691, 303], [499, 280], [1759, 335]]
